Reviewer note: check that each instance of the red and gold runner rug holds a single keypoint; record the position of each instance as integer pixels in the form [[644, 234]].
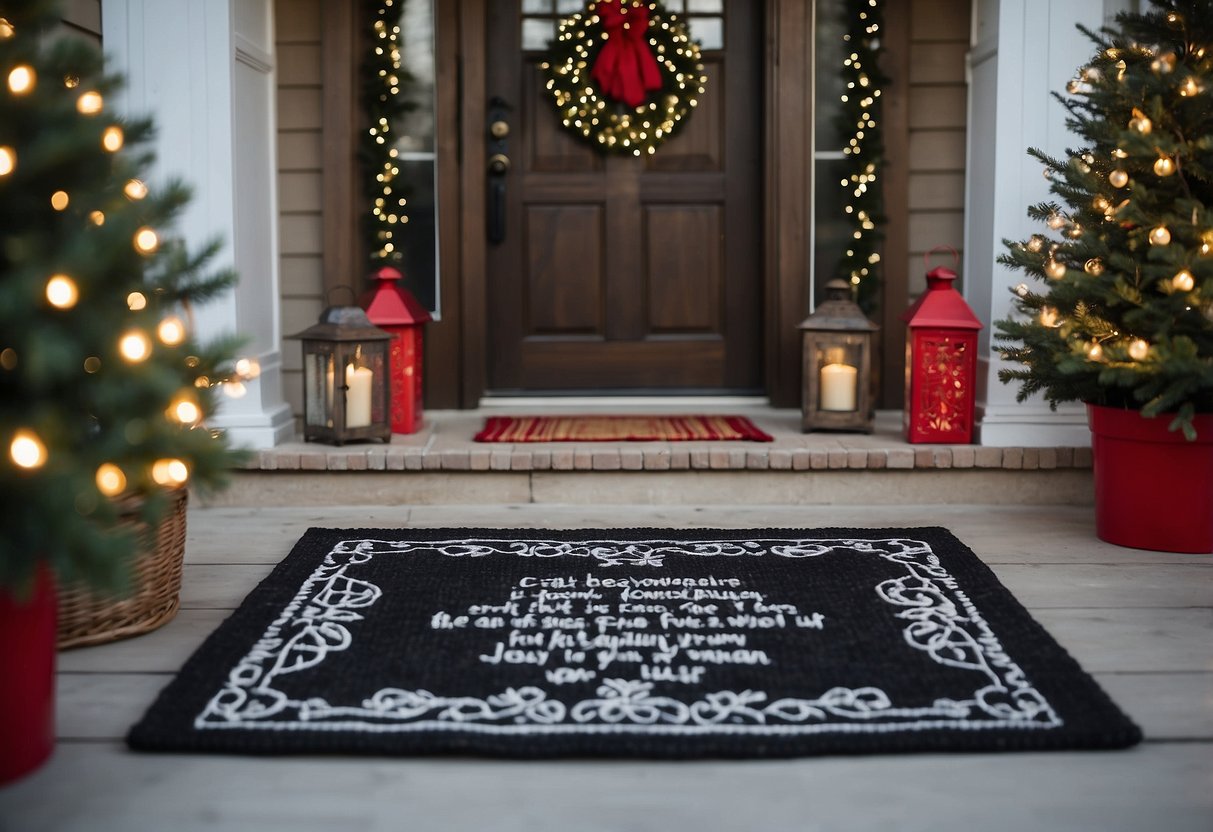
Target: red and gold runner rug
[[618, 429]]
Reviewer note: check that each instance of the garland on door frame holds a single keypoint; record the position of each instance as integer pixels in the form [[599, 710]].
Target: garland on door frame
[[859, 118], [624, 74], [385, 82]]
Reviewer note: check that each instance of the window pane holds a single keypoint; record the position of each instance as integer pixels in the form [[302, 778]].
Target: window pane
[[536, 6], [568, 6], [708, 6], [420, 237], [831, 51], [537, 33], [830, 224], [709, 31], [416, 128], [674, 6]]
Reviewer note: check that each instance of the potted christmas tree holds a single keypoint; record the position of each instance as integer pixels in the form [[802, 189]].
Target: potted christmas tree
[[1123, 320], [104, 390]]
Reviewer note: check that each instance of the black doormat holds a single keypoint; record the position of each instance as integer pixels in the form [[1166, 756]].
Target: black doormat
[[637, 642]]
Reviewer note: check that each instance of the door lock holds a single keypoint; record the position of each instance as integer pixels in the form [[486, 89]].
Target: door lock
[[499, 129], [499, 163]]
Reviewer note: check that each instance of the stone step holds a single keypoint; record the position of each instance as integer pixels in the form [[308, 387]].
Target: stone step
[[442, 465]]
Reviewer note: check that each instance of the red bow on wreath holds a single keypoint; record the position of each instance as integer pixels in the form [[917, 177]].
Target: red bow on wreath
[[625, 68]]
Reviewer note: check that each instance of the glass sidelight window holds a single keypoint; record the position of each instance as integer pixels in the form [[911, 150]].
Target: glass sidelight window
[[830, 229], [415, 146]]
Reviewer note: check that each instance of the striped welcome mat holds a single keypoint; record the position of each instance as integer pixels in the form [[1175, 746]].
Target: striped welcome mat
[[618, 429]]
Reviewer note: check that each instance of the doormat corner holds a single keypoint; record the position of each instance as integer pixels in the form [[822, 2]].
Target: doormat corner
[[619, 428], [653, 643]]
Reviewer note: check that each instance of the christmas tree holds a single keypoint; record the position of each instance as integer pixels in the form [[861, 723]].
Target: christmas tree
[[104, 391], [1125, 315]]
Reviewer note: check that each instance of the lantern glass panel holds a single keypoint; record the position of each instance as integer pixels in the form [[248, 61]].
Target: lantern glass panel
[[318, 384], [839, 361]]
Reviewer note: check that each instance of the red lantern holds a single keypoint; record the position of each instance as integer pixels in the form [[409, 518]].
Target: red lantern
[[393, 308], [941, 363]]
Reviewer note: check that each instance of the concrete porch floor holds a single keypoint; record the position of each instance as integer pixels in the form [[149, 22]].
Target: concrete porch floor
[[1141, 622]]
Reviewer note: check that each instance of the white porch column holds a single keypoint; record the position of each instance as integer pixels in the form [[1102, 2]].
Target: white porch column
[[204, 71], [1022, 51]]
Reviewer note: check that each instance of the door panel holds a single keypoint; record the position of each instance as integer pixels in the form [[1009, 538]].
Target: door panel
[[620, 272]]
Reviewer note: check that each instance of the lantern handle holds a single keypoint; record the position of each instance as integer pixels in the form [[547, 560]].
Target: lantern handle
[[328, 295], [926, 258]]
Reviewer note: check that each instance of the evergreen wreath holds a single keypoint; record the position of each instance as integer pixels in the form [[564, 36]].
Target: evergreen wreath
[[624, 74]]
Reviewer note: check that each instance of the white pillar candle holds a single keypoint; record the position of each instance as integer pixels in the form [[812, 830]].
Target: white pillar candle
[[839, 386], [357, 396]]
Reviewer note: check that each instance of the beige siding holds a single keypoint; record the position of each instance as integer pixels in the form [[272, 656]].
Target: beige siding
[[939, 38], [82, 18], [298, 25]]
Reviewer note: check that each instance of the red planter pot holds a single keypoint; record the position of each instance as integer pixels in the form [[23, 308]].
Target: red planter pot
[[27, 695], [1153, 488]]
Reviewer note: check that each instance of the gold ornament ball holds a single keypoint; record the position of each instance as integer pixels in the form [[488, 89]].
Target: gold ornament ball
[[1183, 281], [1093, 267], [1054, 269], [1165, 166], [1160, 236], [1118, 178], [1138, 349]]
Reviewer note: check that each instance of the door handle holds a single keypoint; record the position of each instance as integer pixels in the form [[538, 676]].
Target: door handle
[[499, 164]]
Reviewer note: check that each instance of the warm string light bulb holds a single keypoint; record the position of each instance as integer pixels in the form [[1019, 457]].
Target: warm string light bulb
[[27, 450], [186, 411], [1095, 352], [134, 189], [61, 291], [146, 240], [1139, 348], [96, 218], [171, 331], [90, 103], [136, 301], [110, 479], [170, 472], [1054, 269], [6, 29], [21, 79], [135, 346], [112, 139], [8, 160], [60, 200], [1049, 317], [1189, 88]]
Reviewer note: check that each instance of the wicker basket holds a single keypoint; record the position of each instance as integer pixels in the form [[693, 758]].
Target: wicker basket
[[86, 619]]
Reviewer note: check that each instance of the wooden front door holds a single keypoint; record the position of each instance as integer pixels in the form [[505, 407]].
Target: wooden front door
[[614, 273]]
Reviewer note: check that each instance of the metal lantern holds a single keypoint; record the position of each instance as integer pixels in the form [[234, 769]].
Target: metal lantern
[[837, 389], [345, 378], [941, 363], [392, 307]]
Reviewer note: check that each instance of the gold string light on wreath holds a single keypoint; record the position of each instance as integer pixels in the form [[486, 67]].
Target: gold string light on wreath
[[624, 74]]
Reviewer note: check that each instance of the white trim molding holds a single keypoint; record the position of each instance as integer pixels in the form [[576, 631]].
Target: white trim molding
[[204, 72], [1021, 52]]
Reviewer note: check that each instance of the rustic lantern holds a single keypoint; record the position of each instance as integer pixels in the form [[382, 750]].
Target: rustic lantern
[[837, 390], [345, 378], [393, 308], [941, 363]]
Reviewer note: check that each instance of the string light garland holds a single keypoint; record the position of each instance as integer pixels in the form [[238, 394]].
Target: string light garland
[[385, 80], [610, 124], [859, 119]]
